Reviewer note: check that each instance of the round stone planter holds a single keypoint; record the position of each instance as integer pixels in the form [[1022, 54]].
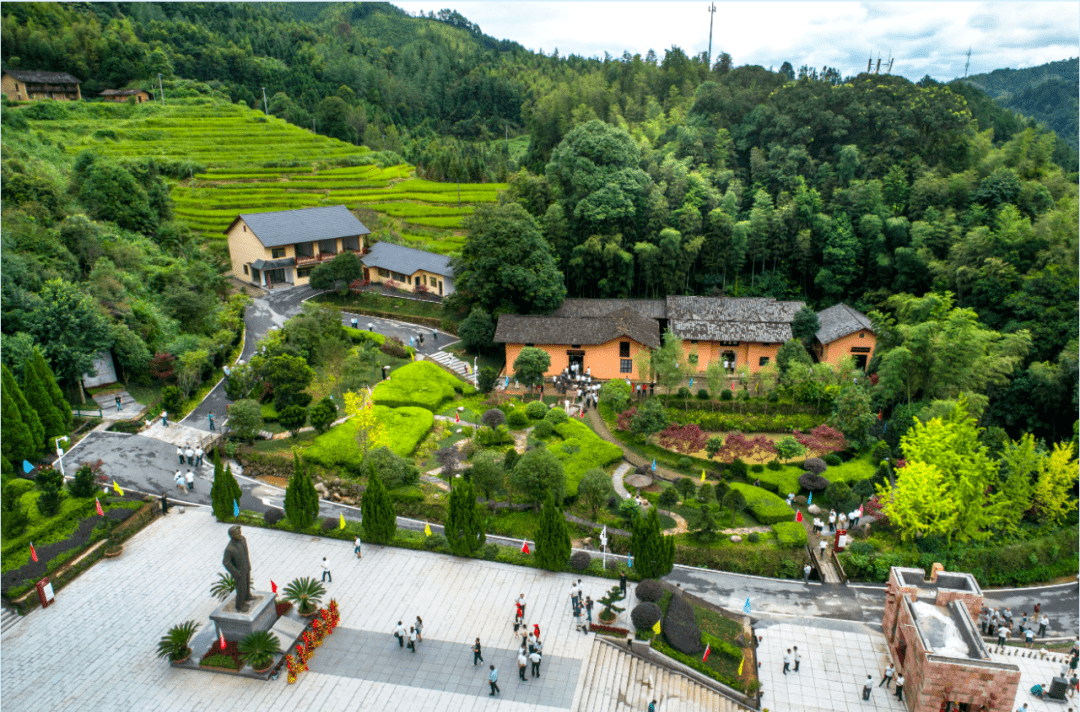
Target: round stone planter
[[181, 661], [113, 553]]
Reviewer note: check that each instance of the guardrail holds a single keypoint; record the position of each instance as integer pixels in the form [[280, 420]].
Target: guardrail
[[87, 412]]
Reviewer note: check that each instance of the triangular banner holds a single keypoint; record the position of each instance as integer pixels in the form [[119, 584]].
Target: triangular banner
[[524, 546], [97, 504]]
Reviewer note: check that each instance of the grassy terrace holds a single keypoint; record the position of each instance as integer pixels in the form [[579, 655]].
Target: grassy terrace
[[256, 164]]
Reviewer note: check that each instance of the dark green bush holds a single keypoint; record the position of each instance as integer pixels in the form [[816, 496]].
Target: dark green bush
[[703, 394], [684, 393], [686, 487], [580, 560], [757, 468], [833, 460], [668, 498], [773, 397], [555, 416], [725, 395], [649, 590], [543, 429], [685, 463], [837, 494], [774, 466], [753, 537], [536, 410], [273, 516], [680, 627], [493, 418], [518, 418], [172, 400], [737, 468], [435, 542], [486, 437], [645, 615], [863, 489]]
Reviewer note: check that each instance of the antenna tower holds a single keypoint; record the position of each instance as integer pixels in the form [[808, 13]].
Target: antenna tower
[[712, 13], [967, 63]]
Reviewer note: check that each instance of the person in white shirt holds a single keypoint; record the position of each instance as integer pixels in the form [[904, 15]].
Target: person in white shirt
[[521, 602], [401, 632], [534, 657], [522, 661], [326, 571], [190, 478], [886, 679]]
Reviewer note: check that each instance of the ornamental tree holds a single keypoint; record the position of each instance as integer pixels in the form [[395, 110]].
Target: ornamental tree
[[537, 474], [380, 520], [739, 447], [552, 537], [654, 553], [821, 440], [649, 419], [45, 374], [464, 528], [531, 365], [788, 448], [225, 491], [370, 432], [594, 489], [684, 439], [301, 499], [23, 434], [40, 400], [322, 415]]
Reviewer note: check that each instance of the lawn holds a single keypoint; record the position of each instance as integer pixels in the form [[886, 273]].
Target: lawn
[[422, 384], [766, 507], [581, 450], [337, 448]]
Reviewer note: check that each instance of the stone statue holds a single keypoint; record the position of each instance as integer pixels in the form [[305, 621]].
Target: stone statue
[[239, 566]]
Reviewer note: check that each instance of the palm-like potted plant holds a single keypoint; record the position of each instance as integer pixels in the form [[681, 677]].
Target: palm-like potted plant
[[174, 645], [306, 594], [224, 586], [259, 648]]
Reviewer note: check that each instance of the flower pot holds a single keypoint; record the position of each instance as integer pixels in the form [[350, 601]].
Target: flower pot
[[114, 552], [181, 661], [307, 615], [266, 669], [608, 619]]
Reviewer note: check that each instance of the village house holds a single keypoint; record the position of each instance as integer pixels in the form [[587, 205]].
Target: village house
[[409, 269], [736, 332], [25, 85], [119, 96], [281, 248]]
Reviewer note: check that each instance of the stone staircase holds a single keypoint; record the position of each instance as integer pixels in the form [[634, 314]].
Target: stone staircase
[[616, 681], [455, 364], [8, 618], [129, 407]]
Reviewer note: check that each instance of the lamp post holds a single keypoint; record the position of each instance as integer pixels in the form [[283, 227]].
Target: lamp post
[[60, 452]]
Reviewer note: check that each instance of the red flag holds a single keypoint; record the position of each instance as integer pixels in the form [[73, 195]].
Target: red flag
[[221, 639], [879, 414], [457, 418], [33, 554], [798, 516], [582, 414], [273, 586], [708, 648], [732, 385], [524, 547], [97, 503]]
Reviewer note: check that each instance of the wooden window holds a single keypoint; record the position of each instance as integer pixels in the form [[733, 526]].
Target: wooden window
[[763, 361], [277, 253], [576, 346], [624, 349], [384, 272], [304, 272], [530, 345], [245, 269], [626, 365]]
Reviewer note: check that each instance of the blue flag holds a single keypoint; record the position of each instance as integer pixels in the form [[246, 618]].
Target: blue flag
[[654, 464], [27, 467], [630, 561], [236, 508], [746, 606], [810, 499], [691, 381]]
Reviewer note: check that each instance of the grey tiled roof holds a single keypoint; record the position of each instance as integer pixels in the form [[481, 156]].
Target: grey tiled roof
[[406, 260], [651, 308], [731, 319], [515, 329], [287, 227], [24, 75], [273, 264], [840, 320], [122, 92]]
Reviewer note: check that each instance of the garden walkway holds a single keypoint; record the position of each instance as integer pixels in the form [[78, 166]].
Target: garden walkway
[[600, 428]]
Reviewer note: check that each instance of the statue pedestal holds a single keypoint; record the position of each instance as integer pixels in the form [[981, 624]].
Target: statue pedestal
[[234, 625]]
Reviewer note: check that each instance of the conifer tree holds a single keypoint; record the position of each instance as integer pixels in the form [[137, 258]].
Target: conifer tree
[[30, 435], [37, 395], [654, 553], [552, 538], [380, 520], [225, 491], [41, 367], [17, 444], [464, 529], [301, 499]]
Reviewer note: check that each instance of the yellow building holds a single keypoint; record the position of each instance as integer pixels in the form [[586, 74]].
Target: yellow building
[[24, 85], [281, 248], [409, 269], [119, 96]]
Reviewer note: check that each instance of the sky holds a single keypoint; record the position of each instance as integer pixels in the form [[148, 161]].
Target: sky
[[923, 38]]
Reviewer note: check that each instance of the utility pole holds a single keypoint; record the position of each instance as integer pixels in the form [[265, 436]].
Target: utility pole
[[712, 13], [266, 109], [967, 63], [161, 90]]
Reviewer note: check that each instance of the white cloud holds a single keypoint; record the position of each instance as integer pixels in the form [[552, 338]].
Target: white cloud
[[924, 38]]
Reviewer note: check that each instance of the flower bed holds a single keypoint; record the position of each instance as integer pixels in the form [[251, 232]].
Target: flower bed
[[228, 658], [609, 630], [723, 422]]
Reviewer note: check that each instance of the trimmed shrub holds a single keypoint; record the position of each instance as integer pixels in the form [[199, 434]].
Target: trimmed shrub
[[493, 418], [421, 383], [680, 627], [753, 537], [486, 437], [833, 460], [645, 615], [669, 497], [518, 418], [328, 524], [766, 507], [407, 495], [725, 395], [790, 533], [812, 482], [686, 487], [685, 463], [736, 467], [543, 429], [703, 394], [555, 416], [435, 542], [815, 465], [684, 393], [273, 516], [394, 471], [580, 560], [837, 494], [774, 466], [536, 410], [757, 468], [649, 590]]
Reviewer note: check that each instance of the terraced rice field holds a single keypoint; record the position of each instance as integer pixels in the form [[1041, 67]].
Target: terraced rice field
[[259, 164]]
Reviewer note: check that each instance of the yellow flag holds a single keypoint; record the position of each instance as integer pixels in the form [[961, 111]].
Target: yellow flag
[[342, 520], [116, 488], [741, 664], [427, 529], [702, 475], [656, 628]]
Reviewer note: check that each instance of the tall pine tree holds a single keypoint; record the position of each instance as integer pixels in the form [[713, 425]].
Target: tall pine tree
[[41, 367], [301, 499], [552, 538], [37, 395], [30, 423], [17, 444], [225, 491], [380, 520], [654, 553], [464, 528]]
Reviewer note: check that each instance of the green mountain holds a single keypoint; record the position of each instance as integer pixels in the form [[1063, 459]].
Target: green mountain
[[1047, 93]]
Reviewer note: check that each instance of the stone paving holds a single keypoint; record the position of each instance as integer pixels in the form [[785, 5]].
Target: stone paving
[[94, 649]]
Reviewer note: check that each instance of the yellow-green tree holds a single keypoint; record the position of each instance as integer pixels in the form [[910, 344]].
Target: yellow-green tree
[[370, 432], [1056, 480]]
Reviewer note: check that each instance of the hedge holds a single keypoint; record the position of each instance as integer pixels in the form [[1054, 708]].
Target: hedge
[[783, 482], [758, 560], [581, 450], [790, 533], [681, 628], [420, 383], [723, 422], [405, 427], [766, 507], [337, 447]]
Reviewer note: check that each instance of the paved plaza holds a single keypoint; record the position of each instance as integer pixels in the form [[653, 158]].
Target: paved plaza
[[95, 648]]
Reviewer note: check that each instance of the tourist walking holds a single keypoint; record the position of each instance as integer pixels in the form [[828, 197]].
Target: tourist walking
[[164, 419], [622, 582], [588, 609], [412, 640], [189, 477], [119, 407], [806, 570], [1043, 622], [832, 521], [180, 484], [477, 657], [190, 455], [522, 660], [419, 625], [326, 571], [211, 417], [180, 454], [886, 679], [1029, 637], [787, 661], [1002, 636], [519, 618], [900, 687], [493, 680], [199, 456], [868, 687], [521, 604], [356, 547], [400, 632], [573, 597], [534, 658], [823, 545], [797, 656]]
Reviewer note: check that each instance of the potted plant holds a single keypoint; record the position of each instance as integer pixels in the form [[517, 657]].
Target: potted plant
[[306, 594], [611, 611], [174, 645], [113, 547], [223, 587], [259, 648]]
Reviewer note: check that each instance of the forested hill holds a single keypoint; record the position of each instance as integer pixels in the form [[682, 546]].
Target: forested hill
[[1047, 93]]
